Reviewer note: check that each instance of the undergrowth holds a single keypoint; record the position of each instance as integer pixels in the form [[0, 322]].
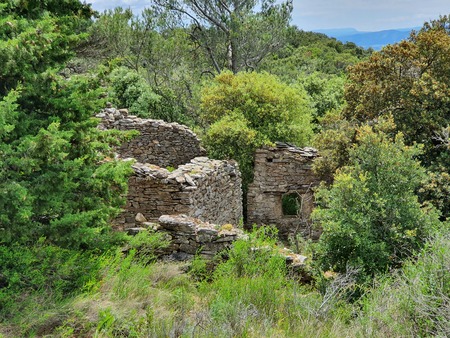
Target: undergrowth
[[248, 295]]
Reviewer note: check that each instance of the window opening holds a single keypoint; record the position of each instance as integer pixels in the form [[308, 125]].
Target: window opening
[[290, 204]]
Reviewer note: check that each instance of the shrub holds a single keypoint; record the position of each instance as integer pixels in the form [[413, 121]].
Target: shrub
[[42, 271], [132, 91], [371, 217], [248, 110], [415, 302]]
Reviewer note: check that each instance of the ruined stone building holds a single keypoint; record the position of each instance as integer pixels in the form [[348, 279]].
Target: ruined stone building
[[195, 200], [281, 192], [159, 143], [171, 175], [209, 190]]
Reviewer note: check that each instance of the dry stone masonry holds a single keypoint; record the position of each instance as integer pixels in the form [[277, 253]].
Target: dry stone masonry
[[182, 191], [203, 188], [190, 236], [160, 143], [209, 190], [283, 175]]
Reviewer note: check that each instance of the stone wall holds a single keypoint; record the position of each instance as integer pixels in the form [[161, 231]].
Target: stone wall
[[189, 236], [203, 188], [281, 172], [160, 143]]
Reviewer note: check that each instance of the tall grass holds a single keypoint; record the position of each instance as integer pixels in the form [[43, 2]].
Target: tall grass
[[249, 295]]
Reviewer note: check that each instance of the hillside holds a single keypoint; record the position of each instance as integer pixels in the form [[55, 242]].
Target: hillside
[[375, 40], [207, 172]]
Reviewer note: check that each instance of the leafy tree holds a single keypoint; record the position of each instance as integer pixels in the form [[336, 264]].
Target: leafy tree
[[307, 53], [371, 217], [164, 56], [54, 180], [232, 34], [409, 80], [249, 110], [120, 34], [326, 92], [33, 38], [335, 139]]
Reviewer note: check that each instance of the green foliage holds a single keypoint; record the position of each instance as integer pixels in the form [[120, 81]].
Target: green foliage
[[248, 295], [414, 302], [409, 80], [54, 180], [33, 9], [333, 142], [232, 138], [42, 271], [326, 93], [59, 186], [307, 53], [336, 138], [290, 204], [249, 282], [436, 189], [35, 35], [147, 245], [165, 56], [254, 257], [117, 33], [232, 35], [371, 217], [249, 110], [132, 91]]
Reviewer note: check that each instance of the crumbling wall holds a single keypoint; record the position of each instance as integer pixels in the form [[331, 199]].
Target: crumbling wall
[[203, 188], [189, 236], [281, 172], [160, 143]]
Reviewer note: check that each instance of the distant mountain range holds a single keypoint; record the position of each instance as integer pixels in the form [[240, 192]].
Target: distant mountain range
[[375, 40]]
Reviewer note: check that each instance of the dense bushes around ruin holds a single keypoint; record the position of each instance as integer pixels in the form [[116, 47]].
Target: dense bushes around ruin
[[381, 267]]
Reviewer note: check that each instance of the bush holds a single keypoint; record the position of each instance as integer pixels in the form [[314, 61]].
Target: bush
[[248, 110], [130, 90], [147, 244], [415, 302], [58, 181], [46, 272], [371, 217]]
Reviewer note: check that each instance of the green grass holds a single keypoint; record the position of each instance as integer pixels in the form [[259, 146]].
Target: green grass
[[249, 295]]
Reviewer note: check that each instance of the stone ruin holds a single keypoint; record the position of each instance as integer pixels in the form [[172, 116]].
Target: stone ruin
[[172, 177], [281, 192], [189, 236], [160, 143], [209, 190]]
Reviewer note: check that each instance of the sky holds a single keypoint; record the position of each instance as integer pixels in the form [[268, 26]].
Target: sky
[[363, 15]]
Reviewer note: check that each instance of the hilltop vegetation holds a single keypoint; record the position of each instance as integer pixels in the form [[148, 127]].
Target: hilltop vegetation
[[242, 80]]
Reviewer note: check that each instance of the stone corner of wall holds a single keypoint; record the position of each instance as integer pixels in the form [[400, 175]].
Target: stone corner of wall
[[190, 236]]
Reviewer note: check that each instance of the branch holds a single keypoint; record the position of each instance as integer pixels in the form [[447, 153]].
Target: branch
[[204, 12]]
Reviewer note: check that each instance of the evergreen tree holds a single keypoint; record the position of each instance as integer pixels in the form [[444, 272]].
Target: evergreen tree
[[55, 181]]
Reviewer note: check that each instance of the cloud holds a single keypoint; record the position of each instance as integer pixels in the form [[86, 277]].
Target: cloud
[[367, 15], [136, 5]]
